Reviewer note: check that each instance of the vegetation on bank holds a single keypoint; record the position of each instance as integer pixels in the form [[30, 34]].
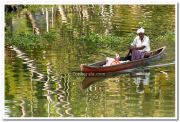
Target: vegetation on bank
[[30, 40], [107, 41], [116, 42], [92, 40]]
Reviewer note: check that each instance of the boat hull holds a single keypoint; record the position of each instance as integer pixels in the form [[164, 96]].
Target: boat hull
[[98, 67]]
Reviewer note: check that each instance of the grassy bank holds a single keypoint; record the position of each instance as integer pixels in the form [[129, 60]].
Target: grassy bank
[[93, 40], [30, 40], [121, 43]]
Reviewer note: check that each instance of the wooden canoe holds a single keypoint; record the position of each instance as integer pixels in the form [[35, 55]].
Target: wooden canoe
[[98, 67]]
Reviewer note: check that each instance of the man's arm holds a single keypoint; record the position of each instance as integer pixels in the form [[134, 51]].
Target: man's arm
[[137, 48]]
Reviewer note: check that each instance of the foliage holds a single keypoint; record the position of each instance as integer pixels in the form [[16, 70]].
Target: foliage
[[24, 40], [167, 39], [108, 41], [121, 43], [168, 36], [31, 40], [51, 36]]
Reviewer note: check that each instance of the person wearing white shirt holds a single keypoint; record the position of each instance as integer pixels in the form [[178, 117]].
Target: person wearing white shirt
[[140, 47]]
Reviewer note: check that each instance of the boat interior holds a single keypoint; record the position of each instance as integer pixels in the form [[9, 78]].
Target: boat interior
[[101, 63]]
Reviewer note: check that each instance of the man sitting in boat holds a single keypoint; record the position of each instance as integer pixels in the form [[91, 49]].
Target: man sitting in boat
[[140, 47]]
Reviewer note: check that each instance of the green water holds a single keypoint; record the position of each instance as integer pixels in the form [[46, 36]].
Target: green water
[[39, 80]]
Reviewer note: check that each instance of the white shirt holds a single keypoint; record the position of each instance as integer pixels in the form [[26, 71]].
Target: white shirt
[[145, 42]]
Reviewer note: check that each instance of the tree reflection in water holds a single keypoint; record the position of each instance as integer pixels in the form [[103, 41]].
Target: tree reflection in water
[[141, 78]]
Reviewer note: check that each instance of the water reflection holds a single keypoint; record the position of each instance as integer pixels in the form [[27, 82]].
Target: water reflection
[[59, 87], [107, 14], [127, 94], [36, 76], [47, 20], [53, 86], [33, 23], [48, 87], [23, 108], [141, 78], [117, 90], [62, 13], [63, 107], [52, 17]]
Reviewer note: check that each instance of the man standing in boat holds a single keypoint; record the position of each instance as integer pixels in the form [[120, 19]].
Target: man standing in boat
[[140, 47]]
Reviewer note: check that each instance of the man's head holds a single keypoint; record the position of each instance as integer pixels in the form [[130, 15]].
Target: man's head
[[140, 32]]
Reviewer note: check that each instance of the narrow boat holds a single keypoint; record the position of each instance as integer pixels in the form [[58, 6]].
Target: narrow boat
[[99, 68]]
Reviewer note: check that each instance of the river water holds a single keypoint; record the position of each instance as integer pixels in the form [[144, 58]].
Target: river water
[[39, 82]]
